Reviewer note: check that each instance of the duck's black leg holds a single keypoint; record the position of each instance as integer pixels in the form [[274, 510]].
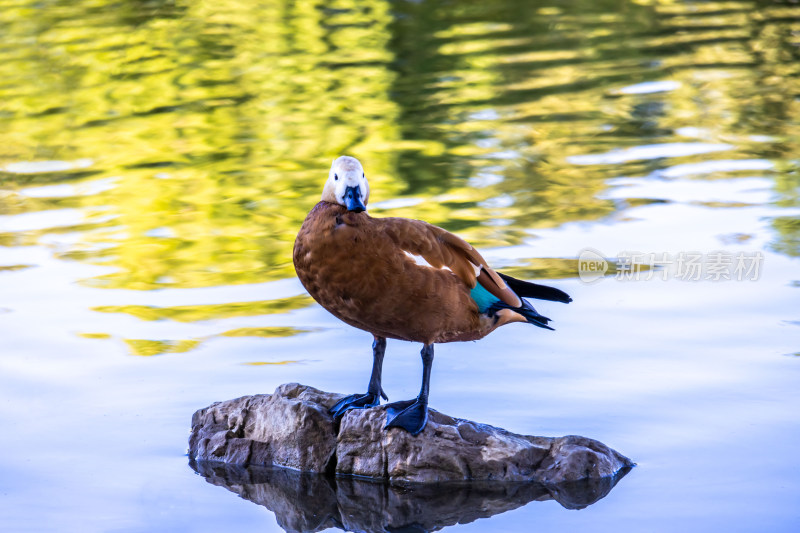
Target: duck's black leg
[[374, 390], [412, 415]]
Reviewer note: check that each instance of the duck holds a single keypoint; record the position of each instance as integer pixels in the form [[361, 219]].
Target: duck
[[405, 279]]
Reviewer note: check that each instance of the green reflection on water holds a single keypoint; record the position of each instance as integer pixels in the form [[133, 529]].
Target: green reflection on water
[[195, 313], [147, 347], [12, 268], [210, 125], [265, 332]]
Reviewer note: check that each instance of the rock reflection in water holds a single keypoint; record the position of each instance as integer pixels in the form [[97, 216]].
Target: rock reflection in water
[[304, 502]]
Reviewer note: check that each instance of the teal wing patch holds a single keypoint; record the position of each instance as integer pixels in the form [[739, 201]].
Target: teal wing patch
[[483, 298]]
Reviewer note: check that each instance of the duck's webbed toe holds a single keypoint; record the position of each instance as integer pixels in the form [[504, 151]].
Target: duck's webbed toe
[[354, 401], [410, 415]]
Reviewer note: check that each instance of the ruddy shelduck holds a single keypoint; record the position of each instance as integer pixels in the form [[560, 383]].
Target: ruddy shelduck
[[404, 279]]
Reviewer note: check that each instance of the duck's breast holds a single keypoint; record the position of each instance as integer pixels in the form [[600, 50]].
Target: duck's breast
[[353, 267]]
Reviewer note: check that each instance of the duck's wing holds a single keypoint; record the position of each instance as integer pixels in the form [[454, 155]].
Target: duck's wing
[[441, 249]]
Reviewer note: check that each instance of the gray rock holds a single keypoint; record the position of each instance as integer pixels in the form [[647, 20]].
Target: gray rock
[[292, 428]]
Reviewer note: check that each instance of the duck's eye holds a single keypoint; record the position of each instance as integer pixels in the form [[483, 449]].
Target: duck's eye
[[336, 177], [362, 175]]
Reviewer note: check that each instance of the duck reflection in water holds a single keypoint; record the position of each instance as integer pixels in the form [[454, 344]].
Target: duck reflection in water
[[304, 502]]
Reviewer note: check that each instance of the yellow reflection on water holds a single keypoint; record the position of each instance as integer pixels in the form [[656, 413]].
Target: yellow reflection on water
[[265, 332], [151, 347], [94, 335], [195, 313]]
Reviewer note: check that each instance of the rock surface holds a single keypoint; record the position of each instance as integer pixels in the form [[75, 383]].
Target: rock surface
[[292, 428]]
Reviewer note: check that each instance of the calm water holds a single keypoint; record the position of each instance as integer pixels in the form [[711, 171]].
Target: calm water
[[157, 159]]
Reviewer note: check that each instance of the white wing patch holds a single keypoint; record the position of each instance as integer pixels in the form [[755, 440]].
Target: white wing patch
[[476, 268], [418, 259]]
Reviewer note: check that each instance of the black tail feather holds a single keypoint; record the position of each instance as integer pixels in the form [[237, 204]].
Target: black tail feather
[[527, 289]]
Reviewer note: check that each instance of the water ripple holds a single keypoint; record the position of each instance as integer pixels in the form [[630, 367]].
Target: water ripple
[[708, 167], [649, 151], [36, 167], [649, 87]]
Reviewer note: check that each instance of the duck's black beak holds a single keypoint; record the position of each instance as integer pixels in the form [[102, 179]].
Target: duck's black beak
[[352, 199]]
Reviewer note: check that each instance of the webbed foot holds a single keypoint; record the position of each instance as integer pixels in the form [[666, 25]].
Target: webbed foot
[[354, 401], [411, 415]]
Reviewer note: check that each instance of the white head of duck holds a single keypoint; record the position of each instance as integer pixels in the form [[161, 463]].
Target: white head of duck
[[347, 185]]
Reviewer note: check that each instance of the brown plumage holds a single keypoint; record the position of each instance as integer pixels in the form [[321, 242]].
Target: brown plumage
[[360, 269], [363, 270]]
